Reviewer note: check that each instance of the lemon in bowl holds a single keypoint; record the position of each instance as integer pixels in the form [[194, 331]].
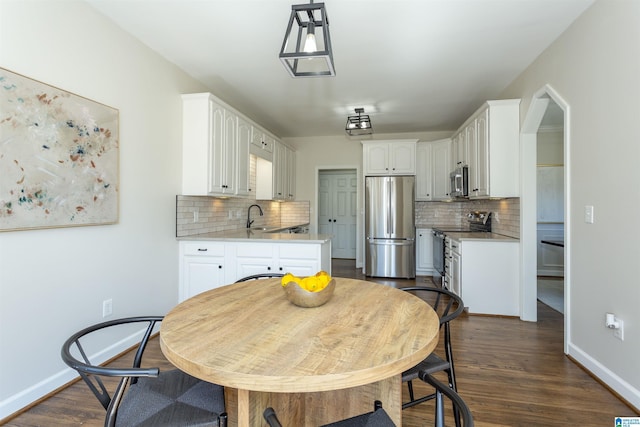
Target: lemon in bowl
[[312, 291]]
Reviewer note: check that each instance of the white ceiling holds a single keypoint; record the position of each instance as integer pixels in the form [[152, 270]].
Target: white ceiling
[[415, 65]]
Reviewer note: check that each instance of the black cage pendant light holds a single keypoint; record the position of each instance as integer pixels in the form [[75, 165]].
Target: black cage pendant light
[[359, 124], [307, 51]]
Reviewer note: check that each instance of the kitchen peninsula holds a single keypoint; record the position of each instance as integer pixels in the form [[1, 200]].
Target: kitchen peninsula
[[215, 259]]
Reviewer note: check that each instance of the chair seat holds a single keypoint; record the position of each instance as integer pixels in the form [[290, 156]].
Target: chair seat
[[377, 418], [432, 364], [172, 399]]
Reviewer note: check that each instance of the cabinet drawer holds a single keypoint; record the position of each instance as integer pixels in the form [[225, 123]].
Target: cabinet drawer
[[299, 251], [203, 249]]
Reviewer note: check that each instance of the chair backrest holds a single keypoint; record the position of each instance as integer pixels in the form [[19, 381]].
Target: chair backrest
[[459, 405], [260, 276], [446, 304], [91, 372]]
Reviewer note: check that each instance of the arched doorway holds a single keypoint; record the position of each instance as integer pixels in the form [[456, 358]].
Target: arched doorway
[[528, 214]]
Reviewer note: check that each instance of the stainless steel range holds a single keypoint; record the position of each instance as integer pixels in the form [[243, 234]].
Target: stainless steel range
[[477, 222]]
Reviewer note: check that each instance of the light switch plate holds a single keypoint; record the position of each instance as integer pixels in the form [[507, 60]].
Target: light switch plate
[[588, 214]]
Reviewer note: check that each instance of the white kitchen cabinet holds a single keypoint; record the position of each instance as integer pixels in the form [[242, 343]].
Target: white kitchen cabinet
[[424, 172], [202, 267], [424, 252], [441, 155], [455, 268], [459, 150], [389, 157], [488, 276], [291, 175], [261, 143], [283, 172], [244, 159], [300, 259], [492, 138], [209, 146], [206, 264], [254, 258]]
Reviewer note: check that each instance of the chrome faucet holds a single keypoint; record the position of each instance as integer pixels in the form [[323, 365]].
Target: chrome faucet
[[249, 222]]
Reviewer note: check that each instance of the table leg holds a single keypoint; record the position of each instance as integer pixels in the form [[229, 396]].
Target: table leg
[[245, 407]]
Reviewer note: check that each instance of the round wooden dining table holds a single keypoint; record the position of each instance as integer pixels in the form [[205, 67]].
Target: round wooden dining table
[[312, 365]]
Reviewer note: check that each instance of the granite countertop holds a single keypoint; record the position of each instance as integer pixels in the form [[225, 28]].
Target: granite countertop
[[493, 237], [261, 234]]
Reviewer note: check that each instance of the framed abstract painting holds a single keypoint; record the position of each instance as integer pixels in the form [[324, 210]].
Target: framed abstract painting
[[59, 157]]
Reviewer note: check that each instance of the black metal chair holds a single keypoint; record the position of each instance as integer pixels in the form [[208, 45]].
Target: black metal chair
[[377, 418], [144, 396], [259, 276], [459, 405], [448, 306]]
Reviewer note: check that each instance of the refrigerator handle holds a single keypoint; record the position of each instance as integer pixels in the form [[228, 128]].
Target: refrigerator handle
[[392, 209], [389, 210]]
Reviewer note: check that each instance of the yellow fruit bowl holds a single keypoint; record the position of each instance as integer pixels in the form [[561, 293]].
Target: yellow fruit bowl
[[303, 298]]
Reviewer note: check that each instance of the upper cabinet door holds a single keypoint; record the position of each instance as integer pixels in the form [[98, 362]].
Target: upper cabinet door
[[376, 158], [244, 160], [424, 172], [389, 157], [402, 158]]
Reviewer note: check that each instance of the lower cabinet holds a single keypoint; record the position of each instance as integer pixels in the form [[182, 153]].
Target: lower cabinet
[[202, 267], [206, 265], [424, 252], [487, 276]]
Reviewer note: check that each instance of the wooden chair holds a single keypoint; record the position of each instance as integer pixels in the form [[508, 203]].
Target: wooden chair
[[377, 418], [259, 276], [448, 306], [144, 396], [459, 405]]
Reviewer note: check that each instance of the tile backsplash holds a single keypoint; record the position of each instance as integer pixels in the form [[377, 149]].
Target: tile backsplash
[[216, 214], [505, 220]]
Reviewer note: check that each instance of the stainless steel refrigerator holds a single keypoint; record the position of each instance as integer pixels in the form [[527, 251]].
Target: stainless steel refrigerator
[[389, 226]]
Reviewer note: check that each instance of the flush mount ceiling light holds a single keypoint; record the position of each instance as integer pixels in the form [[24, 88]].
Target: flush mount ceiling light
[[360, 124], [307, 51]]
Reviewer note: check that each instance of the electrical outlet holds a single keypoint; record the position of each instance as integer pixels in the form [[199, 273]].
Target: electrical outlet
[[619, 331], [230, 213], [196, 215], [107, 307]]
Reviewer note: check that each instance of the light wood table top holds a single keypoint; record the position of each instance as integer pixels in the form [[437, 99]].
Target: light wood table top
[[248, 336]]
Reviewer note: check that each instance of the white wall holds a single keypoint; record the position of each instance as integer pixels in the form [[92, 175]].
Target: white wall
[[595, 67], [53, 282]]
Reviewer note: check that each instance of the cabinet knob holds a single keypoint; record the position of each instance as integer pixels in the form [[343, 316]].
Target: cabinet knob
[[220, 266], [269, 268]]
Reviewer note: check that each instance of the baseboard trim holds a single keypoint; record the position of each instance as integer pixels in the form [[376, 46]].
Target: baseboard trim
[[17, 403], [618, 386]]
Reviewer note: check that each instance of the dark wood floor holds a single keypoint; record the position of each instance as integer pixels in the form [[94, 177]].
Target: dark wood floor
[[510, 373]]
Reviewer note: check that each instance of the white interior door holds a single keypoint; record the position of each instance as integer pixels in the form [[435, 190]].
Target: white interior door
[[337, 210]]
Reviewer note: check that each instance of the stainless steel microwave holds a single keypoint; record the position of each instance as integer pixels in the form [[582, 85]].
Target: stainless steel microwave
[[460, 182]]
